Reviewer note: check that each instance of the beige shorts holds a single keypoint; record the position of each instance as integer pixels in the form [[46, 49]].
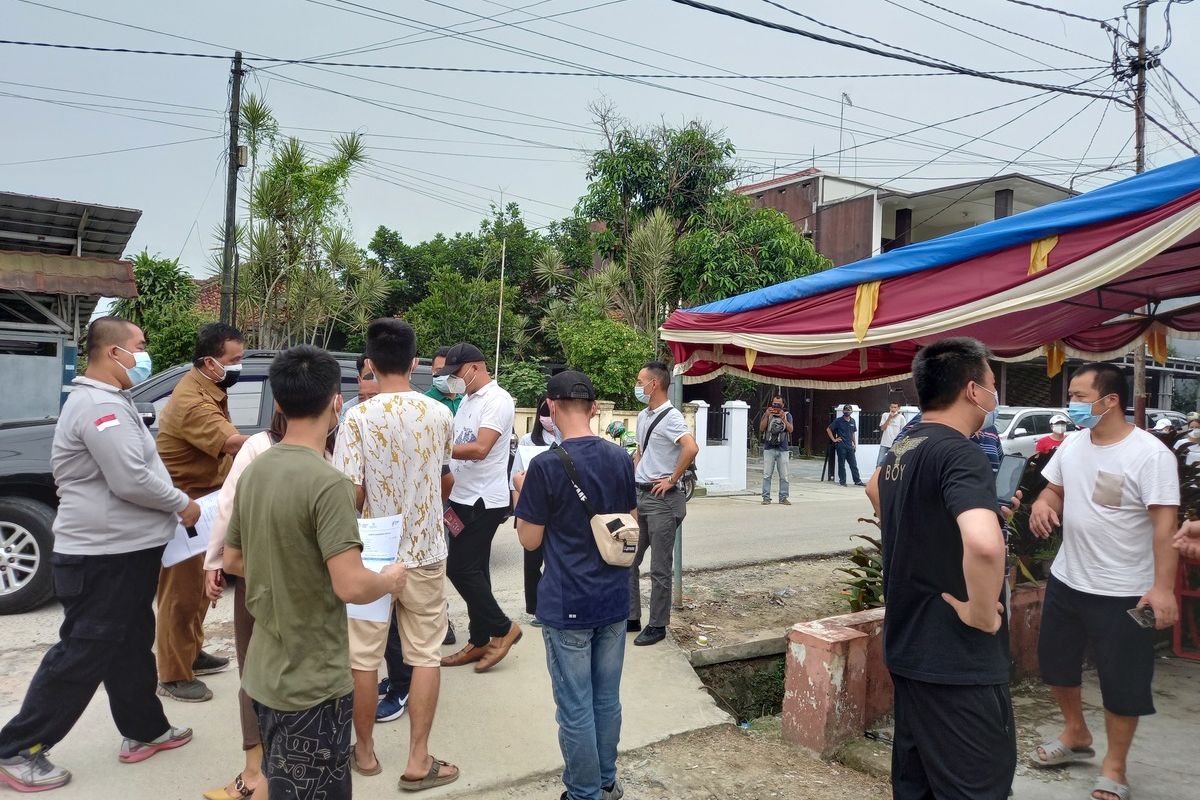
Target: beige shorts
[[421, 616]]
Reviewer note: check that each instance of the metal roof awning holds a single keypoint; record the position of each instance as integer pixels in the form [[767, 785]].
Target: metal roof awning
[[57, 293], [64, 227]]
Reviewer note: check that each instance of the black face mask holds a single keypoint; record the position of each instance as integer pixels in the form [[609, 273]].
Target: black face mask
[[233, 373]]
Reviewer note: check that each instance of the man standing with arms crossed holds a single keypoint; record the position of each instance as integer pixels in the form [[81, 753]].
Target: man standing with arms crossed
[[843, 432], [197, 443], [483, 428], [1115, 490], [946, 634], [665, 449], [393, 447], [117, 511]]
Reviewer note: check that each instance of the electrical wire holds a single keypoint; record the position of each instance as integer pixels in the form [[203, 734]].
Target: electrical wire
[[924, 61], [1012, 32], [1059, 11], [109, 152]]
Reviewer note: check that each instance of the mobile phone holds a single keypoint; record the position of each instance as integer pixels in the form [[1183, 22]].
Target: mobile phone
[[1143, 616]]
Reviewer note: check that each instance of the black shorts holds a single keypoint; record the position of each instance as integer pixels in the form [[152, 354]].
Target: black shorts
[[306, 754], [953, 742], [1122, 650]]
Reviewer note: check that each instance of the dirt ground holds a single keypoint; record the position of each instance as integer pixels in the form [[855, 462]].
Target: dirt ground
[[736, 605], [725, 762]]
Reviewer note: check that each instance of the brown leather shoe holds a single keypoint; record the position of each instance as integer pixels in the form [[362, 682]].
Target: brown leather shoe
[[498, 648], [466, 655]]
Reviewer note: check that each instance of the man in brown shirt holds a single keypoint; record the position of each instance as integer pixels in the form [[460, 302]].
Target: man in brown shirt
[[197, 442]]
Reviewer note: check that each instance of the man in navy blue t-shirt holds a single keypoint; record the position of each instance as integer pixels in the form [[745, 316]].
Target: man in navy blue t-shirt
[[583, 601]]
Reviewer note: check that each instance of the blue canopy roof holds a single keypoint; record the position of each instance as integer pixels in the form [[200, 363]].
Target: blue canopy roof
[[1130, 196]]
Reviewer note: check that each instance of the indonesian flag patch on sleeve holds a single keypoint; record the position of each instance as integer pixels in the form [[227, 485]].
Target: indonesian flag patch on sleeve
[[107, 421]]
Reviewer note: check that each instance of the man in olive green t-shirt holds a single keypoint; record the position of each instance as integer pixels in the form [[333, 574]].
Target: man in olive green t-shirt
[[293, 535]]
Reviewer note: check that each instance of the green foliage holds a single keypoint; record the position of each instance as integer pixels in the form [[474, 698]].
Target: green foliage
[[864, 590], [732, 247], [161, 282], [1028, 554], [171, 334], [525, 381], [608, 352], [458, 309]]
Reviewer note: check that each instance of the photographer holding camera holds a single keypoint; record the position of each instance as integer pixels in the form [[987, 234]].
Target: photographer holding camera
[[776, 429]]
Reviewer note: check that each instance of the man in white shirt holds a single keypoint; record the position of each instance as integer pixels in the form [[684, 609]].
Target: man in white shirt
[[893, 422], [665, 449], [483, 428], [1115, 490], [393, 446]]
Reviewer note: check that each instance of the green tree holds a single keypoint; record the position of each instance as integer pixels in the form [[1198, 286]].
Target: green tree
[[171, 334], [608, 352], [161, 282], [677, 170], [732, 247], [525, 381], [458, 309]]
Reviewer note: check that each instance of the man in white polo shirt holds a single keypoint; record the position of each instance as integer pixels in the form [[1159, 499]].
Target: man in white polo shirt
[[483, 427]]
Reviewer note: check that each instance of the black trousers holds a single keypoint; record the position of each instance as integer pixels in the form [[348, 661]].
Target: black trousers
[[533, 576], [106, 638], [469, 568], [399, 673], [952, 742]]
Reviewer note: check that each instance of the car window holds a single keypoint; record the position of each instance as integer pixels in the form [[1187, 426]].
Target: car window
[[1038, 424], [1003, 420], [245, 402]]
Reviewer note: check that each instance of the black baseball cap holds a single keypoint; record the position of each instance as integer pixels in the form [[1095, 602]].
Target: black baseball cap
[[570, 385], [462, 353]]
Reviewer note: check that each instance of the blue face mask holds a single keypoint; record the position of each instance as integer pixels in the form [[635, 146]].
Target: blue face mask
[[142, 366], [442, 384], [640, 394], [989, 419], [1081, 414]]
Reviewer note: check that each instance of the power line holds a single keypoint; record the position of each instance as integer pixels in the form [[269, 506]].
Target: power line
[[1059, 11], [1012, 32], [109, 152], [923, 61], [88, 107]]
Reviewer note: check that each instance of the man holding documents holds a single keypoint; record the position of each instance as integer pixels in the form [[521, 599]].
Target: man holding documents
[[117, 512], [293, 536], [393, 447]]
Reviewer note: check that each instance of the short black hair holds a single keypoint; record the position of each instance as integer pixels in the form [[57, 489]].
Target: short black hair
[[210, 342], [391, 346], [441, 352], [105, 332], [658, 370], [776, 396], [1108, 379], [303, 380], [360, 362], [943, 369]]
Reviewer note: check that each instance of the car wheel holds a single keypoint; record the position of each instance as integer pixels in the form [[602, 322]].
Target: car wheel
[[26, 542]]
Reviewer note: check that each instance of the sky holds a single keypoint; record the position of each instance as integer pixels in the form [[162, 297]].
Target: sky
[[446, 145]]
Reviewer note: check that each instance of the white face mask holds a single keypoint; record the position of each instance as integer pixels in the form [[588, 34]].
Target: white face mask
[[1059, 428]]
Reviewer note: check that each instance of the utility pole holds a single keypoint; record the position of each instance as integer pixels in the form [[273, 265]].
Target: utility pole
[[1139, 68], [235, 114]]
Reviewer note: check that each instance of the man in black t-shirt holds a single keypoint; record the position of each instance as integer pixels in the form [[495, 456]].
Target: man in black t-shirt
[[945, 632]]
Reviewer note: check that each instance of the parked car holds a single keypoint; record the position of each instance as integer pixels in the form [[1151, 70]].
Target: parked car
[[1153, 415], [28, 498], [1020, 428]]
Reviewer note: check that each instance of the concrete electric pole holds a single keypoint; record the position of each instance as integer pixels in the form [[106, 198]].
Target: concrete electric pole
[[235, 113]]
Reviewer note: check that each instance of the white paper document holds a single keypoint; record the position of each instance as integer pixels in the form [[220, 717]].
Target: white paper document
[[381, 546], [191, 542], [528, 451]]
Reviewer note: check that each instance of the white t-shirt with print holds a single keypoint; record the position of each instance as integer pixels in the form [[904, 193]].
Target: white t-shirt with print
[[394, 446], [1108, 537], [892, 430], [493, 408]]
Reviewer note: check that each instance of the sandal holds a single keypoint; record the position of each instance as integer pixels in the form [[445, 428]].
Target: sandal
[[378, 768], [433, 779], [1055, 753], [240, 791], [1104, 784]]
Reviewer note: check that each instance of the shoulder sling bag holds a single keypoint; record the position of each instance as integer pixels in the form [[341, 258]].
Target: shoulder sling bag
[[690, 472], [616, 535]]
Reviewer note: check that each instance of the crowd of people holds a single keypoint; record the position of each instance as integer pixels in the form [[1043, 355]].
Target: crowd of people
[[296, 511]]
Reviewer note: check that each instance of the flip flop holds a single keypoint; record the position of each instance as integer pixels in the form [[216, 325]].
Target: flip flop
[[1057, 754], [432, 780], [1104, 784], [378, 768]]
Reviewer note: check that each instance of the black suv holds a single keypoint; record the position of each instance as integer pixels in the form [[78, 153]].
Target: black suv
[[28, 498]]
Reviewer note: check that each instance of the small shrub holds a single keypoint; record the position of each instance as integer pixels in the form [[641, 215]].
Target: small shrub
[[865, 588]]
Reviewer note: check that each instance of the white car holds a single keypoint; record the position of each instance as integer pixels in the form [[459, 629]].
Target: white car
[[1021, 427]]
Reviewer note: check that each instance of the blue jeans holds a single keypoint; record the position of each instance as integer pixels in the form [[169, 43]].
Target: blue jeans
[[585, 673], [846, 453], [775, 461]]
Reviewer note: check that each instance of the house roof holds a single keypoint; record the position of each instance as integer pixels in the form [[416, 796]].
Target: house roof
[[43, 273], [782, 180], [64, 227]]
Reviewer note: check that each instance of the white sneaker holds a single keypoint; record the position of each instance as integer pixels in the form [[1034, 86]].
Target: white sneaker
[[30, 771]]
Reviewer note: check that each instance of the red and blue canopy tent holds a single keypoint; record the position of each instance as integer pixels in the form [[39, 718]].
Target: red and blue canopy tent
[[1082, 278]]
